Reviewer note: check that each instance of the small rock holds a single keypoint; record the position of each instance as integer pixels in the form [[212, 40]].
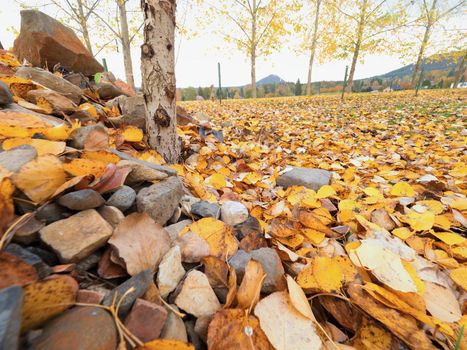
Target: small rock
[[140, 282], [123, 198], [81, 200], [192, 247], [160, 200], [79, 136], [111, 214], [174, 229], [170, 272], [56, 103], [89, 296], [239, 262], [187, 202], [52, 212], [250, 226], [108, 91], [43, 270], [132, 109], [146, 320], [233, 213], [84, 327], [196, 296], [140, 172], [193, 337], [11, 301], [29, 232], [174, 327], [46, 255], [201, 327], [15, 158], [5, 94], [78, 236], [308, 177], [206, 209], [88, 262]]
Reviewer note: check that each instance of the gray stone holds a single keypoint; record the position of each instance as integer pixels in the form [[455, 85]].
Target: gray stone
[[11, 300], [111, 214], [174, 229], [79, 136], [141, 172], [123, 198], [174, 327], [140, 282], [6, 96], [52, 212], [308, 177], [90, 328], [132, 109], [108, 91], [15, 158], [43, 270], [233, 213], [29, 232], [271, 263], [206, 209], [81, 200], [75, 238], [160, 200]]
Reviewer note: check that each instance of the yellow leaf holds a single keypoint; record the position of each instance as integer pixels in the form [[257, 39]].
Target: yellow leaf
[[42, 146], [81, 167], [217, 181], [90, 108], [314, 236], [402, 232], [326, 191], [420, 222], [132, 134], [460, 277], [347, 204], [39, 178], [299, 299], [166, 344], [402, 189], [101, 156], [459, 204], [323, 274], [449, 238]]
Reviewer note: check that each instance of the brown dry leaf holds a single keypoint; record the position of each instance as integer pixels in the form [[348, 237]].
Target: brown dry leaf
[[219, 236], [40, 178], [298, 299], [250, 288], [234, 329], [166, 344], [15, 272], [6, 204], [348, 316], [403, 326], [112, 182], [313, 221], [441, 303], [140, 242], [97, 140], [232, 293], [46, 299], [216, 271], [286, 328]]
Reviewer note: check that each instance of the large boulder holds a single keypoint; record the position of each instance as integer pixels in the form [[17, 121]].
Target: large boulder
[[44, 41], [310, 178]]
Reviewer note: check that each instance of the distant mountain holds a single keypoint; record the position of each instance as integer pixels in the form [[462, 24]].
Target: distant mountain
[[270, 79]]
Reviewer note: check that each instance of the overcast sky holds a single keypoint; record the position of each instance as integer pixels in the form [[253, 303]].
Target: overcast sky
[[198, 57]]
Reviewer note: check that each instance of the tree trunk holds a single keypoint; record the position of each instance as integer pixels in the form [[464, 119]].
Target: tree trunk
[[421, 54], [126, 47], [84, 26], [460, 70], [158, 73], [253, 50], [313, 48], [358, 43]]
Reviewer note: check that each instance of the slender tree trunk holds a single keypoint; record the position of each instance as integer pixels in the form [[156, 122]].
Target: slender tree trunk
[[461, 69], [84, 26], [421, 54], [313, 48], [158, 73], [126, 46], [358, 44], [253, 51]]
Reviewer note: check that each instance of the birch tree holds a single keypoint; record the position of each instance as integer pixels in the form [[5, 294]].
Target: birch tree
[[362, 27], [158, 73], [256, 27]]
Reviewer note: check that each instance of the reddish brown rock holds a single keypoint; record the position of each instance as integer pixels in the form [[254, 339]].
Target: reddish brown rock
[[89, 296], [44, 42], [146, 320]]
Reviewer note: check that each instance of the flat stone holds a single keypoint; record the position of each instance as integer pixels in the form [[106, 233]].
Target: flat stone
[[52, 212], [44, 41], [111, 214], [75, 238], [123, 198], [79, 136], [6, 97], [108, 91], [58, 103], [233, 213], [140, 282], [15, 158], [206, 209], [174, 327], [146, 320], [140, 172], [29, 232], [174, 229], [160, 200], [43, 270], [170, 271], [89, 262], [87, 296], [11, 301], [83, 327], [196, 296], [310, 178], [81, 200]]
